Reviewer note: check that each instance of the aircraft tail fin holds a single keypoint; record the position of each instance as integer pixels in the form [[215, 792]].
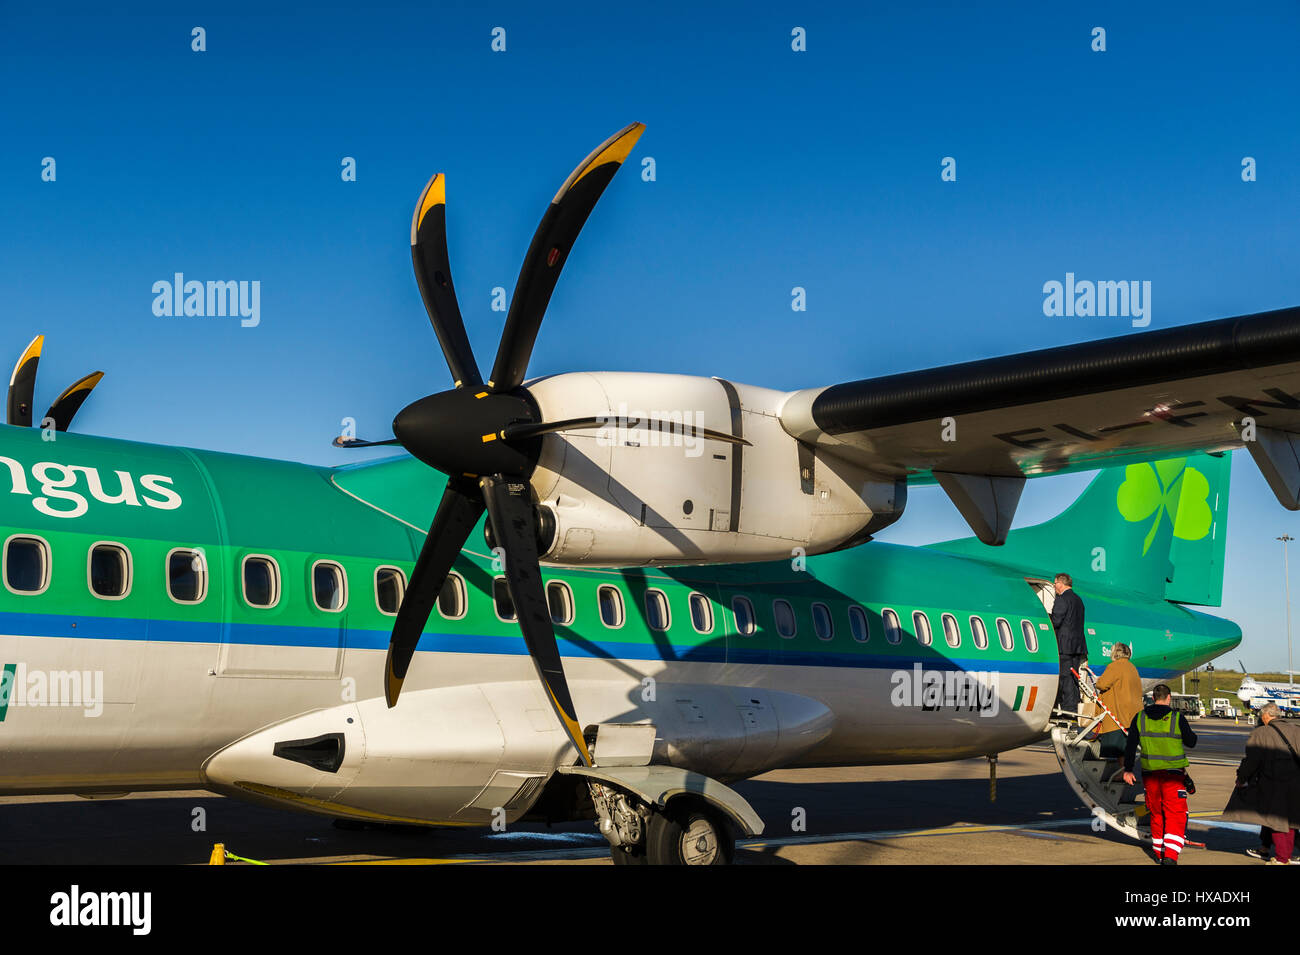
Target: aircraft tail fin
[[1157, 528]]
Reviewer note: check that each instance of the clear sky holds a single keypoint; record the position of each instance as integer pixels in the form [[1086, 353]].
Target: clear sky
[[774, 169]]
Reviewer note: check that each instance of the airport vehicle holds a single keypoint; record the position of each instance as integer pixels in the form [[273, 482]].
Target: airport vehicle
[[1189, 704], [363, 643], [1222, 707]]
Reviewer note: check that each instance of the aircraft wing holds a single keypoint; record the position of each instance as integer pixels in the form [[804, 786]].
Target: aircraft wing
[[981, 427]]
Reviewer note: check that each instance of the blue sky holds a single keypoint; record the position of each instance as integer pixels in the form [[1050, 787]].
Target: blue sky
[[819, 169]]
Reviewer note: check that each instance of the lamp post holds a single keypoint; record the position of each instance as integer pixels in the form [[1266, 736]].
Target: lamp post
[[1286, 571]]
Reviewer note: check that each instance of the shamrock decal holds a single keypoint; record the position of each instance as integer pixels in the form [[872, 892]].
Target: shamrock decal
[[1166, 487]]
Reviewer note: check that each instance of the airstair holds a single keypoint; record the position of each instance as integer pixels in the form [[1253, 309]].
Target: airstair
[[1098, 781]]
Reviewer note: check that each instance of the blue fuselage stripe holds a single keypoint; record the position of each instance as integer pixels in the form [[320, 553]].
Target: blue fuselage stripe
[[716, 651]]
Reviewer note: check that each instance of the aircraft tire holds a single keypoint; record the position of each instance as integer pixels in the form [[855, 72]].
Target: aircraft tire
[[688, 832]]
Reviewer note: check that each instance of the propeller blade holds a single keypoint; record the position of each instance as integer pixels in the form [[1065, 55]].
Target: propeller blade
[[433, 274], [458, 512], [550, 247], [22, 384], [525, 430], [342, 442], [65, 406], [513, 521]]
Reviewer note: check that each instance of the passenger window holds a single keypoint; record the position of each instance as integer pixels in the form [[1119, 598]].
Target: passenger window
[[1005, 636], [329, 586], [893, 629], [823, 624], [744, 612], [656, 610], [261, 581], [951, 632], [187, 576], [785, 623], [109, 570], [611, 606], [452, 602], [390, 588], [858, 624], [979, 633], [1031, 636], [560, 599], [27, 565], [701, 613], [921, 623], [505, 606]]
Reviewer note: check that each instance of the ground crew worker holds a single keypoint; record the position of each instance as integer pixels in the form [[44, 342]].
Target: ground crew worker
[[1165, 737], [1120, 688], [1067, 618]]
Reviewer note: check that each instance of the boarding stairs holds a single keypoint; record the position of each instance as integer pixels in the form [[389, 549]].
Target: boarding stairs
[[1098, 781]]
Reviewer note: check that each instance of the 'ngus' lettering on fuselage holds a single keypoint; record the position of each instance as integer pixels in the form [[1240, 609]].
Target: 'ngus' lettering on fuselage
[[54, 488]]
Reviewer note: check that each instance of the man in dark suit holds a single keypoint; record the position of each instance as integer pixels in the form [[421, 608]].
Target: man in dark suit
[[1067, 618]]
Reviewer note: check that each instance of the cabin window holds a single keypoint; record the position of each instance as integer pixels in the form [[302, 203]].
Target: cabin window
[[560, 599], [187, 576], [744, 613], [951, 631], [261, 581], [452, 602], [979, 633], [785, 622], [108, 569], [921, 623], [858, 625], [1005, 636], [390, 588], [701, 613], [823, 625], [656, 610], [893, 629], [610, 600], [501, 600], [329, 586], [1031, 636], [27, 565]]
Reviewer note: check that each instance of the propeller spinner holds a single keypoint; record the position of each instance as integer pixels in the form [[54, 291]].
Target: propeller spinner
[[486, 437]]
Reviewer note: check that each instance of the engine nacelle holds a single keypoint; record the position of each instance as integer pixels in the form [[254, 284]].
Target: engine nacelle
[[627, 494]]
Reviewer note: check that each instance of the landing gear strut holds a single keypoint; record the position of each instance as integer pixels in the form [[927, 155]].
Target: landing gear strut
[[685, 832]]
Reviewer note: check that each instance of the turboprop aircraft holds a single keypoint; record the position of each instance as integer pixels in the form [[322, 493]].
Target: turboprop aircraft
[[1255, 693], [362, 642]]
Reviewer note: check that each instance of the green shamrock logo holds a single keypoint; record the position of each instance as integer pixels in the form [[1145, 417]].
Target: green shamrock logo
[[1166, 487]]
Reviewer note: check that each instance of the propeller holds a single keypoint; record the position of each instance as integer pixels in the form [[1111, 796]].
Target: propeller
[[22, 389], [487, 437]]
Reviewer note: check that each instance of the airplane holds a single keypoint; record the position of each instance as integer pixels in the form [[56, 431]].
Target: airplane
[[608, 595], [1255, 693]]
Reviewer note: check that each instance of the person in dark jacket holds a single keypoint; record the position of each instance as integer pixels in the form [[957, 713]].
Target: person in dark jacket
[[1067, 618], [1165, 735], [1268, 786]]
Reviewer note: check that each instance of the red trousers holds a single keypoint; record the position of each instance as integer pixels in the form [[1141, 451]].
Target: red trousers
[[1167, 804]]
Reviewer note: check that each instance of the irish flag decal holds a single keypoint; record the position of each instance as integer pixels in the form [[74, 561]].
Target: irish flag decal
[[1020, 697]]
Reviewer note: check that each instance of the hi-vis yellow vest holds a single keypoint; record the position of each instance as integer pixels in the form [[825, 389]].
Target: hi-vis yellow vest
[[1162, 743]]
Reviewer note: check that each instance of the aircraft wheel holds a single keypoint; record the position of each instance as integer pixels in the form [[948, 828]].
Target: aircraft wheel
[[689, 833]]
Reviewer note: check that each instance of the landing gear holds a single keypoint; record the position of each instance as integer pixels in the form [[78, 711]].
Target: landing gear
[[689, 833], [686, 832]]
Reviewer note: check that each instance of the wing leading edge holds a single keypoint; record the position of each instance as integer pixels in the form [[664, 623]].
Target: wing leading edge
[[981, 427]]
